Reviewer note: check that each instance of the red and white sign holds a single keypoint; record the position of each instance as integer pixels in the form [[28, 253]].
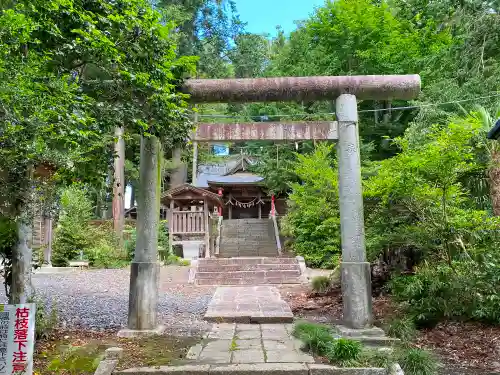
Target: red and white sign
[[17, 339]]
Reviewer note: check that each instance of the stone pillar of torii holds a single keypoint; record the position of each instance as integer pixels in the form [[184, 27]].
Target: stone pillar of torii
[[355, 270]]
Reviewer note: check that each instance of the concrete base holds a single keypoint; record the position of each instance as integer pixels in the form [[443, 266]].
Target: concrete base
[[372, 336], [253, 369], [132, 333], [350, 332], [357, 294]]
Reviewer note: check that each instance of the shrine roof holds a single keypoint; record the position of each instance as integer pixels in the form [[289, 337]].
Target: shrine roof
[[190, 192], [235, 179], [228, 173]]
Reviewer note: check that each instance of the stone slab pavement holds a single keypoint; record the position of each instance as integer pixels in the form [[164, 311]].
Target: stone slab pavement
[[252, 304], [237, 343]]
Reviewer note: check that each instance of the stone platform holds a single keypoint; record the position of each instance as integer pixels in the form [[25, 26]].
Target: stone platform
[[257, 304], [232, 343]]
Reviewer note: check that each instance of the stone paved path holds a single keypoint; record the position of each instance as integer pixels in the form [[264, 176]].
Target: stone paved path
[[235, 343], [254, 304]]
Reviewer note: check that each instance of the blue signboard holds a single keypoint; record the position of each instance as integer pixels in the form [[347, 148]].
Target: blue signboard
[[221, 150]]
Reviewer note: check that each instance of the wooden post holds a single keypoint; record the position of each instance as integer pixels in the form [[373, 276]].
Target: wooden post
[[118, 205], [273, 207], [48, 241], [220, 207], [207, 228], [195, 155], [260, 206], [171, 226], [230, 208]]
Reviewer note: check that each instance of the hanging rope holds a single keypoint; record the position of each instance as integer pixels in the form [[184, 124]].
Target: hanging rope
[[234, 202]]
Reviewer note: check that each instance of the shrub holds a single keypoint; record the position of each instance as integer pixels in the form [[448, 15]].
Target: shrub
[[45, 319], [313, 215], [130, 239], [343, 350], [163, 246], [370, 357], [175, 260], [316, 337], [464, 290], [402, 328], [72, 235], [321, 284], [415, 361], [8, 236]]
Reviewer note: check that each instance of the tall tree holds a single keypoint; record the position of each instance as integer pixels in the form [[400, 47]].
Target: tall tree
[[66, 64], [206, 28]]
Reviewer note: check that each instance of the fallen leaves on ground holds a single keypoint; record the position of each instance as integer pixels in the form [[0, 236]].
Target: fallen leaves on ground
[[464, 344]]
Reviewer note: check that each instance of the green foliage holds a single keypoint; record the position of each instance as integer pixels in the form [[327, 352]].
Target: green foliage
[[78, 359], [321, 284], [464, 290], [176, 261], [316, 337], [73, 233], [163, 249], [416, 198], [313, 216], [8, 237], [416, 361], [343, 351], [319, 339], [74, 236], [402, 328], [46, 319]]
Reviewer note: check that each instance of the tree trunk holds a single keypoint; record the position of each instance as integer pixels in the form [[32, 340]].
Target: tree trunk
[[144, 275], [48, 241], [119, 186], [132, 195], [21, 289], [179, 175], [494, 176], [108, 213]]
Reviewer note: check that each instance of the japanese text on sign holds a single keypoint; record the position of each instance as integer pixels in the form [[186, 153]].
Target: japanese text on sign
[[17, 331]]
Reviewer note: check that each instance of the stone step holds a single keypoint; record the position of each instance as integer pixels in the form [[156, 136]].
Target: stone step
[[238, 254], [247, 271], [248, 281], [247, 267], [247, 260], [253, 241], [250, 274], [251, 250]]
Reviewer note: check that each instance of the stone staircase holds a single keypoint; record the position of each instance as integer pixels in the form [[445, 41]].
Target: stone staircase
[[247, 238], [247, 271]]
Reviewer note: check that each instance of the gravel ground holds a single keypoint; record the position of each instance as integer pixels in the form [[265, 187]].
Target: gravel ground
[[98, 299]]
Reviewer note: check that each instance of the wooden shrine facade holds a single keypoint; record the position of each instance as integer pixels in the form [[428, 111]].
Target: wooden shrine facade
[[191, 215]]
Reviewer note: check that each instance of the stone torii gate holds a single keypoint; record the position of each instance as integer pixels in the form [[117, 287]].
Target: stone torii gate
[[356, 278]]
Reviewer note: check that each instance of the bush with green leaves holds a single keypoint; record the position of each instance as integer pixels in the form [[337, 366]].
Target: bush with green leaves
[[316, 337], [164, 252], [464, 290], [75, 236], [342, 351], [312, 220], [416, 361], [321, 284], [402, 328], [73, 233], [46, 318]]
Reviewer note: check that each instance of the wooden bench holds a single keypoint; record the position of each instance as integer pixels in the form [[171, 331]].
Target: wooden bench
[[81, 264]]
